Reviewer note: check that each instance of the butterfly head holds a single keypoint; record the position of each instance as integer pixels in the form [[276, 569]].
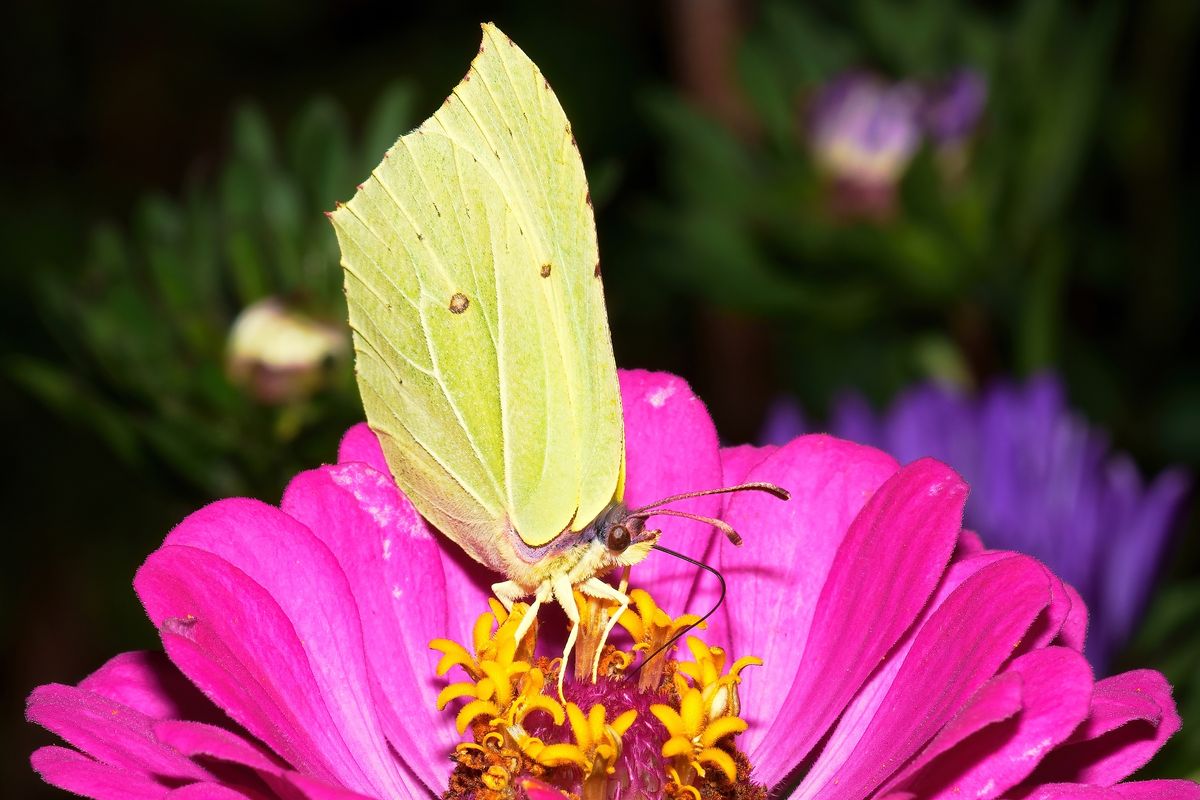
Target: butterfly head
[[620, 537], [624, 536]]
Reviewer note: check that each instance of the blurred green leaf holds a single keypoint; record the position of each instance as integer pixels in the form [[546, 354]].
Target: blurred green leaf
[[1068, 100], [319, 150], [253, 142], [145, 318], [392, 114], [74, 401]]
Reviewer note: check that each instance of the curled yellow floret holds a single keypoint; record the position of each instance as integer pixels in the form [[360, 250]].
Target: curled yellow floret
[[651, 629], [708, 674], [649, 625], [694, 735], [596, 746], [503, 688], [593, 750]]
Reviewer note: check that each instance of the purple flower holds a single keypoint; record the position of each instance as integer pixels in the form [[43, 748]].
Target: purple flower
[[883, 653], [953, 107], [1043, 482], [864, 130]]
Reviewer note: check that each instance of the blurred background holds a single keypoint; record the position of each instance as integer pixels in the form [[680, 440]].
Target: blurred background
[[946, 228]]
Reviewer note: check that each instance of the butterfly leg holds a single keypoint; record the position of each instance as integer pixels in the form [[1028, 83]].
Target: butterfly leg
[[565, 596], [507, 592], [539, 597], [594, 587]]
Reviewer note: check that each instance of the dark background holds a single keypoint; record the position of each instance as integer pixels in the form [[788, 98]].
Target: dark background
[[107, 103]]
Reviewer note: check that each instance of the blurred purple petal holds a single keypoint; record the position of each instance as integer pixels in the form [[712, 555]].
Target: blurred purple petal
[[1043, 482]]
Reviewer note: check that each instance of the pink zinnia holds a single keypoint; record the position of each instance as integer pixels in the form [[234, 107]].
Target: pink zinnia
[[901, 658]]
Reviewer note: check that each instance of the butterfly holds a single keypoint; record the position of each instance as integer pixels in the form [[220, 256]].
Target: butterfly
[[482, 348]]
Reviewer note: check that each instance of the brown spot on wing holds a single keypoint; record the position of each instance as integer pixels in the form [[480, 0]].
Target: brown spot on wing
[[459, 303], [545, 270]]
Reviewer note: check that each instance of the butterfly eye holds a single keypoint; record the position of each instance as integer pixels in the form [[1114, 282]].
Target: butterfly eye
[[618, 538]]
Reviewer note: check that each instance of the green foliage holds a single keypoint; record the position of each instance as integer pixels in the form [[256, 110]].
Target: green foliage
[[1168, 640], [144, 321], [976, 251]]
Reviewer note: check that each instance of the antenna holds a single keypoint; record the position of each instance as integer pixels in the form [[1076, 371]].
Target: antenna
[[756, 486], [719, 524], [656, 509]]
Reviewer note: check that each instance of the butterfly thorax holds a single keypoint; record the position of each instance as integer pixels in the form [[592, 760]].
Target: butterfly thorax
[[613, 539]]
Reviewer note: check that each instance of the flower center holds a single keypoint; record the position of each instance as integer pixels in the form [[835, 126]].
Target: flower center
[[632, 724]]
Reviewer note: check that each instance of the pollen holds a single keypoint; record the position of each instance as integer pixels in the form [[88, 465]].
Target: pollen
[[670, 732]]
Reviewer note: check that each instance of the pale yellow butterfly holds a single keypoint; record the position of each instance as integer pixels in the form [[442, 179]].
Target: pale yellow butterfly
[[482, 345]]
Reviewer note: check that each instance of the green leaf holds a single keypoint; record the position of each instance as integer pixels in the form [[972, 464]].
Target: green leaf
[[70, 398], [391, 116], [252, 139], [319, 153]]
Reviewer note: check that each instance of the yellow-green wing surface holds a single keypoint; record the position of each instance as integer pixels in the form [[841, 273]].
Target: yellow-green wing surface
[[472, 278]]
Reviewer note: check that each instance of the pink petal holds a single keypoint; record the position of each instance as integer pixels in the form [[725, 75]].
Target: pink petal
[[233, 641], [998, 700], [1049, 623], [206, 791], [312, 789], [199, 739], [258, 594], [670, 448], [359, 444], [775, 578], [76, 773], [1074, 628], [961, 646], [790, 546], [856, 719], [406, 595], [1072, 791], [887, 566], [108, 731], [737, 462], [149, 683], [207, 741], [1058, 688], [1158, 790], [540, 790], [969, 544], [1131, 717]]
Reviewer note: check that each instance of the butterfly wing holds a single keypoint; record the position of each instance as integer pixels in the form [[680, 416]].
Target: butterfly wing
[[481, 339]]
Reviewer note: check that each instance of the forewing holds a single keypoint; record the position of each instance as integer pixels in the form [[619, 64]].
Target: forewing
[[482, 342]]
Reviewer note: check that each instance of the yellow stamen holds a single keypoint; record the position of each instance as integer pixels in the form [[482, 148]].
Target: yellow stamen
[[528, 699], [683, 785], [596, 748], [651, 628], [719, 759], [694, 735], [707, 673], [473, 710], [595, 615], [718, 729], [503, 685], [455, 691]]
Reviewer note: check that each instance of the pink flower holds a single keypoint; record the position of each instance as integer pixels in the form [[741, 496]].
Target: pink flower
[[901, 659]]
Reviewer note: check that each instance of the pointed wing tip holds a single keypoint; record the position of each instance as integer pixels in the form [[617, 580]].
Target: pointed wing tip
[[339, 211]]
